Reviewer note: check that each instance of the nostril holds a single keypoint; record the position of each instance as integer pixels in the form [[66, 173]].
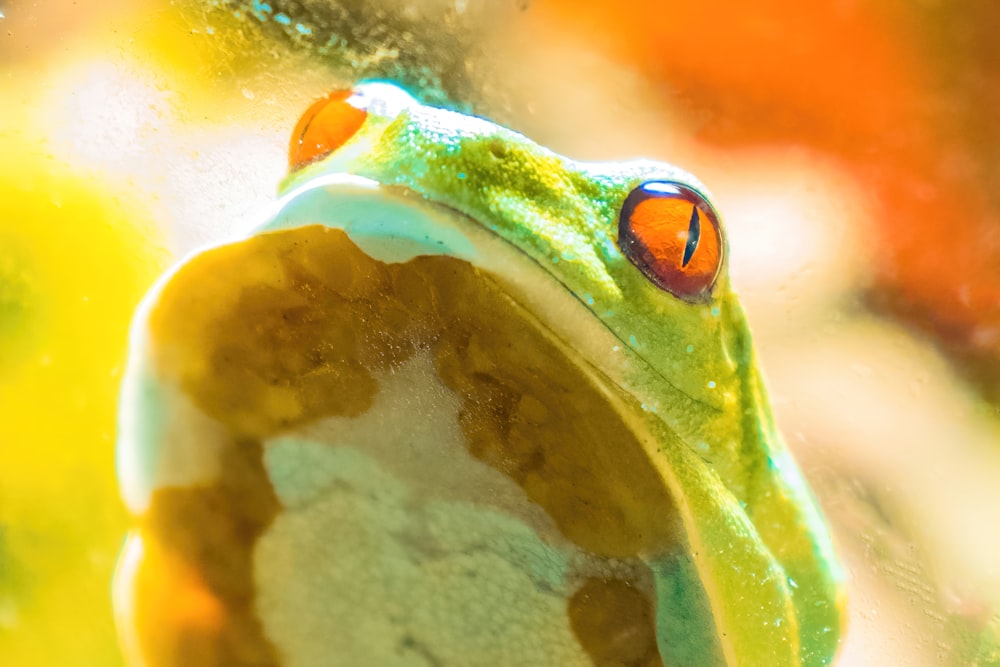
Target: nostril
[[498, 149]]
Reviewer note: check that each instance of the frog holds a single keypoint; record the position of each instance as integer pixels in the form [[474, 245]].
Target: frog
[[459, 400]]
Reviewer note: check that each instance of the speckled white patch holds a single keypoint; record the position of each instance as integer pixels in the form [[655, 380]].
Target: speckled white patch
[[397, 547]]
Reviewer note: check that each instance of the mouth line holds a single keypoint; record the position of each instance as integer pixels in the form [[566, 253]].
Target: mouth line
[[649, 368], [370, 213]]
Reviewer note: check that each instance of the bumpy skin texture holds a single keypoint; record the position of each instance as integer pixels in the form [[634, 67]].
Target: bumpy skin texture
[[671, 513]]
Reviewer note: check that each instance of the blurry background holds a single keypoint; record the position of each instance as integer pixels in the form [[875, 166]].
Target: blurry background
[[852, 147]]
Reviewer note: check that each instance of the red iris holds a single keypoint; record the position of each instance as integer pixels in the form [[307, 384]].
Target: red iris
[[672, 234], [325, 126]]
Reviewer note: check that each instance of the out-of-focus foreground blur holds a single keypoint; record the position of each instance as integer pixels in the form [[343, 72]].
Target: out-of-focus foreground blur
[[851, 146]]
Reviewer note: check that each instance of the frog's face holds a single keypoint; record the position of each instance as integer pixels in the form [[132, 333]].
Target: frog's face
[[616, 236], [538, 362]]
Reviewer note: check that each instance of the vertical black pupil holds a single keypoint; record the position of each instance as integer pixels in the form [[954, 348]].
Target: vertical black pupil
[[694, 233]]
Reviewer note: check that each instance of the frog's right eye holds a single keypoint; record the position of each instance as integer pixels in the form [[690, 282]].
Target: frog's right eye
[[672, 234], [324, 127]]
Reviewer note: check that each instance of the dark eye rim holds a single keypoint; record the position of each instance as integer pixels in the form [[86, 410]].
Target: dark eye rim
[[635, 252]]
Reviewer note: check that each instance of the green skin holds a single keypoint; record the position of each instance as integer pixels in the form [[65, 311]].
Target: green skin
[[760, 584]]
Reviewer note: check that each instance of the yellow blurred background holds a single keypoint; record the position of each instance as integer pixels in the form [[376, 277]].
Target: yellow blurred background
[[851, 146]]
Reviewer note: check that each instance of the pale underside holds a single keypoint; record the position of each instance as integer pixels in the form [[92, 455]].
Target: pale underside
[[398, 547], [394, 541]]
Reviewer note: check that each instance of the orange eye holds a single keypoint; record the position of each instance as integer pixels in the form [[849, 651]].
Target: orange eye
[[324, 127], [672, 234]]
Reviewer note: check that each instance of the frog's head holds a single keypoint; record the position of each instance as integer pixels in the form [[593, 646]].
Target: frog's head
[[638, 244], [580, 323]]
